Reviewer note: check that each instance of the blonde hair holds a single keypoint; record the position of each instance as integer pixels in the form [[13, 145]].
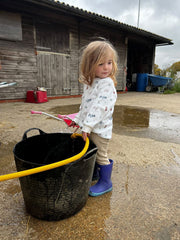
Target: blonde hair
[[92, 55]]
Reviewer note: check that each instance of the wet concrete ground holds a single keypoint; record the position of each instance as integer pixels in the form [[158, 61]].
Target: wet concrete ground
[[140, 122], [144, 203], [155, 124]]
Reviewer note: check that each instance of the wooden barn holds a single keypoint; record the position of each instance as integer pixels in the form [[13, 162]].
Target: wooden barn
[[40, 43]]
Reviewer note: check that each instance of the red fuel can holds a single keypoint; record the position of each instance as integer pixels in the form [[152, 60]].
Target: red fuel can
[[41, 96], [36, 96]]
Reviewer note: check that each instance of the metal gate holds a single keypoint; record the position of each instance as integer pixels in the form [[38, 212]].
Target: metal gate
[[54, 72]]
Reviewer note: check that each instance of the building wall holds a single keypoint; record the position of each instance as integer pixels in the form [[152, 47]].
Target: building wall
[[32, 62], [39, 61], [18, 63], [23, 61]]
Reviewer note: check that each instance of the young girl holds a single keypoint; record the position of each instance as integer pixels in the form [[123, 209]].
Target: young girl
[[98, 67]]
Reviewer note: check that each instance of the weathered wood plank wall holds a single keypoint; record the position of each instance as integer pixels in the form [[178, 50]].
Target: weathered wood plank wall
[[54, 73], [18, 63], [48, 56]]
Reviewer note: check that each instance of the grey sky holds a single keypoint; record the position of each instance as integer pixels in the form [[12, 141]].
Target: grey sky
[[161, 17]]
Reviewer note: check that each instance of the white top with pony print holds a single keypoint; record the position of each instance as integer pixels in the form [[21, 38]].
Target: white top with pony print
[[97, 107]]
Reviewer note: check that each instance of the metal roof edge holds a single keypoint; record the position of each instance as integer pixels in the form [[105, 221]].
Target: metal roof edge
[[101, 19]]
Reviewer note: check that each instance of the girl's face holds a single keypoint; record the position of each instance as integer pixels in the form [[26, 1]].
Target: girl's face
[[104, 68]]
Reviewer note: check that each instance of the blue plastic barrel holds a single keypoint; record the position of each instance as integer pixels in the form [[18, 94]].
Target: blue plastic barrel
[[141, 82]]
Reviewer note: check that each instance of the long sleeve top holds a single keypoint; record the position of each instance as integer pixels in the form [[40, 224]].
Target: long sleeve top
[[97, 107]]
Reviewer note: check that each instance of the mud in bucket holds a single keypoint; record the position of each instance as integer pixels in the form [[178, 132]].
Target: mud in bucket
[[60, 192]]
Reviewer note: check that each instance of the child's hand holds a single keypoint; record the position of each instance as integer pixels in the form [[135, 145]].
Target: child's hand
[[73, 124], [85, 135]]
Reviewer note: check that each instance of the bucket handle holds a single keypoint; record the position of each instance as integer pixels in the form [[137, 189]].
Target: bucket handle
[[30, 129], [49, 166]]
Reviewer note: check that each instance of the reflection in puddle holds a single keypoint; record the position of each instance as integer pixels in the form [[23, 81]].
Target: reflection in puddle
[[131, 116], [163, 126], [139, 122]]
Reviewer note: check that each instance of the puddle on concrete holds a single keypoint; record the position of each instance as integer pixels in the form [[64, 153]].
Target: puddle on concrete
[[67, 109], [127, 116], [159, 125], [139, 122], [144, 203], [165, 126]]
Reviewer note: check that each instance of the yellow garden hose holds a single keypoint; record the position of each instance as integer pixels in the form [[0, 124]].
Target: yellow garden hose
[[49, 166]]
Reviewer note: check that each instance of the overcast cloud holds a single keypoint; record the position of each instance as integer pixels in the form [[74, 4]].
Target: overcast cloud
[[161, 17]]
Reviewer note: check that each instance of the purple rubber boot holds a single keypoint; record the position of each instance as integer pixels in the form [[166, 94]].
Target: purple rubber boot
[[104, 183]]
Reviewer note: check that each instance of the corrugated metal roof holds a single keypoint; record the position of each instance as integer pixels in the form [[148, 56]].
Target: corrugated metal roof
[[91, 16]]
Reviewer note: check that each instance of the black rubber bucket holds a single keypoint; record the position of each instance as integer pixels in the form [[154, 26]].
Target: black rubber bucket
[[61, 192]]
